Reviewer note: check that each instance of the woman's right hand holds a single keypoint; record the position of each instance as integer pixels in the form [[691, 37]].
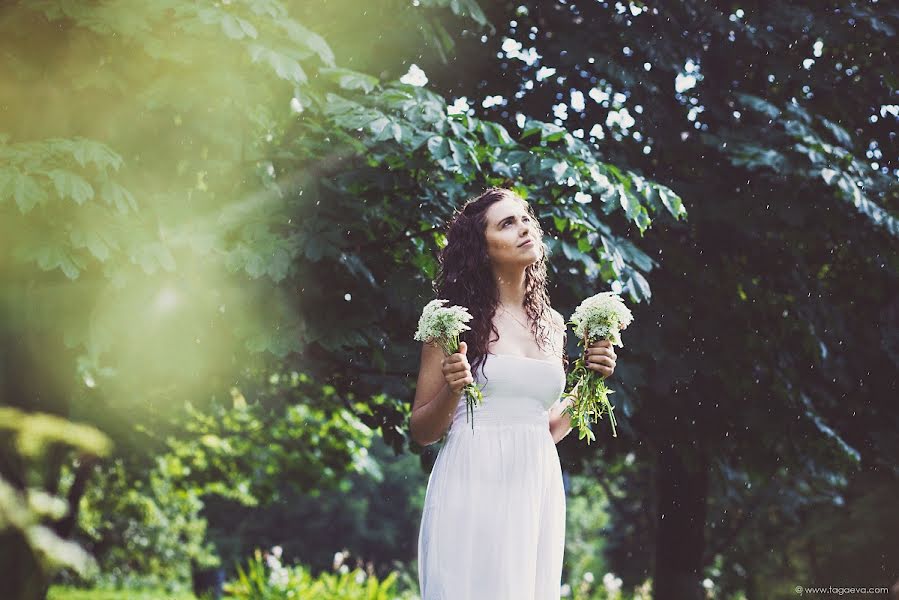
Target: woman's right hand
[[457, 371]]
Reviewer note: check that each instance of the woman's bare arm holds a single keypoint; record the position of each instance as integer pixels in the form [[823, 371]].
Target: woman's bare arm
[[435, 401], [559, 420]]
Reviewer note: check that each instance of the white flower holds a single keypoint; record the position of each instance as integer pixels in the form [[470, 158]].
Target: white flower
[[277, 551], [611, 583], [601, 317], [279, 577], [440, 324], [565, 591], [588, 577], [415, 76]]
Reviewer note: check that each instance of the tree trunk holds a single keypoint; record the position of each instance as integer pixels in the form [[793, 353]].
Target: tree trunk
[[682, 491]]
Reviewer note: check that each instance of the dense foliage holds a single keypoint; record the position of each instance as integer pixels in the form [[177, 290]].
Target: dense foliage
[[221, 219]]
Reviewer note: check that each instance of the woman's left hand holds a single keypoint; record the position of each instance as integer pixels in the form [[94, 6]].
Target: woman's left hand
[[601, 357]]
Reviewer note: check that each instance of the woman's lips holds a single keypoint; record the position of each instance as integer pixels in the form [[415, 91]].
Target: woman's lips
[[527, 243]]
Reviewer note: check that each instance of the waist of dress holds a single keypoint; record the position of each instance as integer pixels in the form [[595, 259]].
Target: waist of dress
[[492, 419]]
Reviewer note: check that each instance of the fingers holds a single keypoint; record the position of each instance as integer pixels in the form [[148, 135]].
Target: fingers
[[456, 369], [601, 359], [594, 352], [457, 382], [455, 362], [464, 378]]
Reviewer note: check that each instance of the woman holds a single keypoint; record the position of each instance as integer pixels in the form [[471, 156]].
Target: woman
[[493, 524]]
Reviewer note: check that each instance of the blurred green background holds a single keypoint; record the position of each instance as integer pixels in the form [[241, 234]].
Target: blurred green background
[[219, 223]]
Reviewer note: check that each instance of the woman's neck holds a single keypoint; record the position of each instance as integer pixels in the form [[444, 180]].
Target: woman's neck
[[510, 285]]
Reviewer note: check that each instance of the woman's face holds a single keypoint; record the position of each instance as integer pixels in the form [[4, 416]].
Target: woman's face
[[508, 227]]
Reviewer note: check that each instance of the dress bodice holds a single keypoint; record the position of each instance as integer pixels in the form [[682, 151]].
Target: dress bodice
[[516, 389]]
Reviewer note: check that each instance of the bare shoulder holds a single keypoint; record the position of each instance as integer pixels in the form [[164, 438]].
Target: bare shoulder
[[560, 331], [558, 318]]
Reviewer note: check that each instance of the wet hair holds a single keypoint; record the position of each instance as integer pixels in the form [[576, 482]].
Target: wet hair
[[464, 277]]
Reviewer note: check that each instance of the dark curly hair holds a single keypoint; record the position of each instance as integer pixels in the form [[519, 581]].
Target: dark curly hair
[[464, 277]]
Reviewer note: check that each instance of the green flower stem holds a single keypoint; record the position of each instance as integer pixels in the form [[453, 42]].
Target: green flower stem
[[472, 393], [591, 400]]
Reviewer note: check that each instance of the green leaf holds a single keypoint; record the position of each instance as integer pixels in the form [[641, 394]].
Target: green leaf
[[307, 38], [7, 180], [70, 185], [629, 203], [355, 265], [840, 134], [92, 241], [759, 105], [641, 286], [116, 195], [560, 171], [285, 67], [350, 80], [232, 28], [379, 129], [438, 147], [28, 193], [86, 151], [164, 256], [584, 245], [279, 265], [495, 134], [672, 202]]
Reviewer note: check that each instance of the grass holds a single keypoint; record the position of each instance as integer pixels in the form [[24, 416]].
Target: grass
[[68, 593]]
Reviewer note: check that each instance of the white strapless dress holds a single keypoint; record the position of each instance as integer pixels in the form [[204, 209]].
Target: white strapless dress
[[493, 522]]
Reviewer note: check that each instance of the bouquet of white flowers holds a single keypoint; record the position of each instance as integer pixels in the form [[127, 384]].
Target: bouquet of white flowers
[[442, 326], [599, 317]]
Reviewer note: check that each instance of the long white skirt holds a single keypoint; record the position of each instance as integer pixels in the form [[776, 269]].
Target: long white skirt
[[493, 524]]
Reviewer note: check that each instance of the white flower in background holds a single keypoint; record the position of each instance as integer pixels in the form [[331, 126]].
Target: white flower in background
[[611, 583], [688, 78], [511, 46], [598, 95], [597, 132], [459, 107], [490, 101], [415, 76], [565, 591], [544, 73], [577, 100], [279, 576], [588, 577], [360, 576], [621, 117]]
